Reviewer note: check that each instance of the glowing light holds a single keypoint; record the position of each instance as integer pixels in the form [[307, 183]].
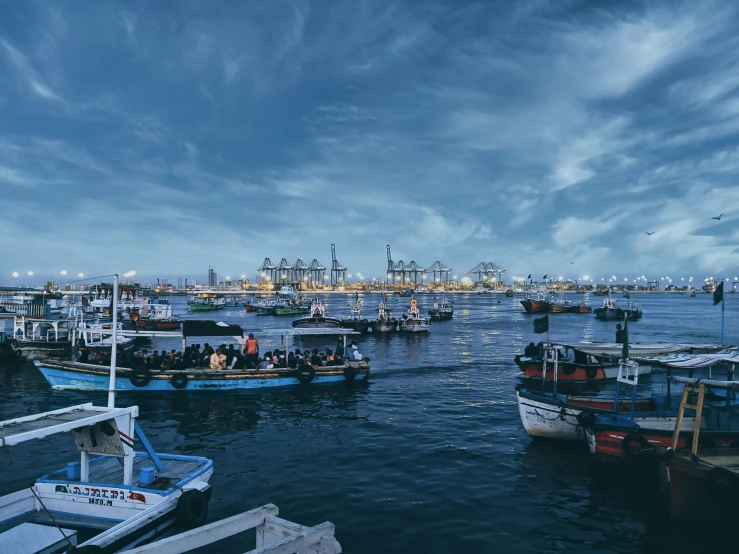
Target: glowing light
[[130, 273], [228, 277], [243, 276], [349, 276], [560, 278], [63, 272], [15, 274], [80, 275]]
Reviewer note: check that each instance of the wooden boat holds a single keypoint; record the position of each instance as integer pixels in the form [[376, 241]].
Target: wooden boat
[[559, 307], [153, 317], [599, 292], [581, 308], [273, 534], [555, 416], [291, 307], [442, 310], [317, 318], [206, 302], [412, 321], [355, 321], [509, 293], [535, 303], [111, 487], [405, 293], [384, 323], [250, 307], [610, 311], [42, 338]]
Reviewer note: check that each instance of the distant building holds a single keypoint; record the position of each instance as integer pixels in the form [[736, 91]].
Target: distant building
[[212, 277]]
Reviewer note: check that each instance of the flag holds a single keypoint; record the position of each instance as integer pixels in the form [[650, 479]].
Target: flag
[[541, 325], [718, 294], [545, 276], [529, 277], [625, 349]]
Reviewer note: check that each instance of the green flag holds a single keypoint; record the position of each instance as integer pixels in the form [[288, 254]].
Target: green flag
[[541, 325], [718, 294], [625, 349]]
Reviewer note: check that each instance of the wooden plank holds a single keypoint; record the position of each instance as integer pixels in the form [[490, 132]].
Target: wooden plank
[[32, 537], [698, 416], [303, 542], [210, 533], [680, 414]]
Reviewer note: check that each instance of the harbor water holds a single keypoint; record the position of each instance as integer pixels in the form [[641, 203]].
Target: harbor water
[[429, 456]]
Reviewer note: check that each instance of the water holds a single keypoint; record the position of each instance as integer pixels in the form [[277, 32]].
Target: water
[[430, 456]]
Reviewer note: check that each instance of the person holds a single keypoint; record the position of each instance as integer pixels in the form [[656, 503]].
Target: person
[[291, 362], [252, 352], [530, 351], [315, 359], [340, 349], [242, 343], [570, 355], [620, 338], [353, 354], [266, 363], [230, 353], [217, 360]]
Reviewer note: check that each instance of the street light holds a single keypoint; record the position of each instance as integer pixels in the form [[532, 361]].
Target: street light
[[15, 274], [30, 273], [80, 275], [130, 273], [63, 272]]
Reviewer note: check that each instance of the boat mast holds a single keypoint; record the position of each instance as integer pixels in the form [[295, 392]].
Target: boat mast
[[114, 346]]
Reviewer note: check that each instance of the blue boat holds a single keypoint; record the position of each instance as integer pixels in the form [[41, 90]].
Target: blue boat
[[71, 375]]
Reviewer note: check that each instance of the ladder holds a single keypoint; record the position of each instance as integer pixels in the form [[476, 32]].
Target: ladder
[[689, 389]]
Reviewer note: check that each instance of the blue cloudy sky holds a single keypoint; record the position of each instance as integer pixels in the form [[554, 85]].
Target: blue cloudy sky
[[545, 136]]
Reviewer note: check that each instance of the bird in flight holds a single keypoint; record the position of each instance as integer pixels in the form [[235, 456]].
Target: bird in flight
[[650, 234], [718, 218]]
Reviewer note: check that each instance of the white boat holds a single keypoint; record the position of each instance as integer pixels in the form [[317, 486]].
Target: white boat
[[42, 338], [288, 291], [102, 342], [412, 321], [384, 323], [442, 310]]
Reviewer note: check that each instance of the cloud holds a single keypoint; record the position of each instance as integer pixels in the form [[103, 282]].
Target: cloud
[[29, 75]]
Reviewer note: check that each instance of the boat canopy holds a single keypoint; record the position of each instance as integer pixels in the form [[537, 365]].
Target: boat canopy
[[691, 361], [209, 328], [613, 350]]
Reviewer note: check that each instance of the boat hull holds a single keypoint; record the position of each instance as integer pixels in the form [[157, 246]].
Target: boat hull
[[316, 323], [439, 315], [546, 417], [535, 306], [359, 325], [147, 325], [557, 309], [617, 314], [384, 326], [205, 307], [413, 326], [580, 309], [75, 376], [250, 308], [39, 349]]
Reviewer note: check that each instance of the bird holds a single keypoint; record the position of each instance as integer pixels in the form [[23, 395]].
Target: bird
[[650, 234], [718, 218]]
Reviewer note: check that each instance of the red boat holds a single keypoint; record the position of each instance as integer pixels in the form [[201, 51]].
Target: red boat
[[535, 304], [250, 307], [701, 487]]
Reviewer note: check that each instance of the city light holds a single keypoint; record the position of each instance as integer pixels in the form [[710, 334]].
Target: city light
[[228, 277], [80, 275], [15, 274], [130, 273], [243, 276], [30, 273], [63, 272]]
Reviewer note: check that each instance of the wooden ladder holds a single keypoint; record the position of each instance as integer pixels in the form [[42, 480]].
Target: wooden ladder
[[684, 403]]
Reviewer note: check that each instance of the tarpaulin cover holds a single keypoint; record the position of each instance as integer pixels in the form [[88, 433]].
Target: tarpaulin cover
[[209, 328]]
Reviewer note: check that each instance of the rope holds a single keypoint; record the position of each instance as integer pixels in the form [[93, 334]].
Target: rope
[[561, 416], [52, 517]]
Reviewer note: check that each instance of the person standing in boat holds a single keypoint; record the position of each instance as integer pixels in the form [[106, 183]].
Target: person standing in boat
[[252, 352], [620, 339]]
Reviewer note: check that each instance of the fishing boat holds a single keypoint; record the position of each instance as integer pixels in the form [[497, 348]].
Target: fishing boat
[[610, 311], [600, 292], [98, 338], [83, 376], [384, 323], [232, 302], [559, 306], [509, 293], [158, 316], [42, 338], [7, 352], [535, 303], [580, 308], [206, 302], [355, 321], [405, 293], [693, 295], [412, 321], [292, 306], [287, 291], [317, 318], [28, 305], [442, 310]]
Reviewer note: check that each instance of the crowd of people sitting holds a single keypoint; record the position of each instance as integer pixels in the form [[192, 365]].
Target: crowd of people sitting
[[224, 357]]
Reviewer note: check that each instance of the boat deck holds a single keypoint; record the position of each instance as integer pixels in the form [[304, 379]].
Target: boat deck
[[108, 470]]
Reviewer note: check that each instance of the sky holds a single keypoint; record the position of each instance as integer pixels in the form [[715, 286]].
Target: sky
[[547, 137]]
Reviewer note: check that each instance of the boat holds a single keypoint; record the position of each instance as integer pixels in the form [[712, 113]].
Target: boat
[[317, 318], [600, 292], [287, 291], [535, 303], [626, 296], [610, 311], [693, 295], [272, 534], [7, 352], [97, 338], [28, 305], [157, 316], [355, 321], [43, 338], [232, 302], [405, 293], [580, 308], [509, 293], [293, 306], [559, 306], [206, 302], [88, 377], [412, 321], [384, 323], [442, 310], [112, 485]]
